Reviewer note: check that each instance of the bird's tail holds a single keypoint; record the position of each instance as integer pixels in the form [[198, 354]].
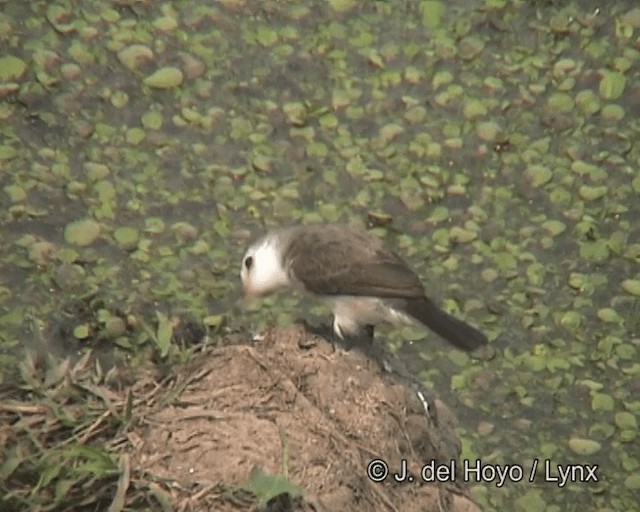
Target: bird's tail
[[455, 331]]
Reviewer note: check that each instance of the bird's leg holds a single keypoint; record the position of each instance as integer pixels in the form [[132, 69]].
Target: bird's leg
[[367, 333], [328, 333], [362, 338]]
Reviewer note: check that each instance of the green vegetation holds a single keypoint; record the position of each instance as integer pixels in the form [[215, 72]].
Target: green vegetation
[[142, 143]]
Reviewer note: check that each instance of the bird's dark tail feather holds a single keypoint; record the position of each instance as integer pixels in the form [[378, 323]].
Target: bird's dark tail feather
[[455, 331]]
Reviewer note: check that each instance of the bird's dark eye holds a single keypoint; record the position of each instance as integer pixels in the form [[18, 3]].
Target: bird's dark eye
[[248, 262]]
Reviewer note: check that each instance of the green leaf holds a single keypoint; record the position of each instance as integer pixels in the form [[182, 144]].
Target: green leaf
[[342, 5], [432, 11], [81, 332], [13, 457], [164, 333], [602, 402], [11, 68], [610, 315], [265, 487], [631, 286], [591, 193], [213, 321], [538, 175], [82, 232], [554, 227], [632, 482], [92, 459], [626, 420], [165, 78], [612, 85], [126, 236], [584, 446], [532, 501], [266, 36], [49, 474]]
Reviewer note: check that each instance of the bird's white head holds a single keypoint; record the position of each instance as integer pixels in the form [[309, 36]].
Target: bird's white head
[[262, 272]]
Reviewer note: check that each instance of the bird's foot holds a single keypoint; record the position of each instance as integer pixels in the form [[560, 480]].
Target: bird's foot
[[363, 338], [323, 331]]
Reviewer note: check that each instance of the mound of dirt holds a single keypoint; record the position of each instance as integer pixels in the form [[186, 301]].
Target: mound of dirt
[[306, 413]]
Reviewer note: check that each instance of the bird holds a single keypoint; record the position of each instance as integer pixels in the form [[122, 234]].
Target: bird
[[364, 282]]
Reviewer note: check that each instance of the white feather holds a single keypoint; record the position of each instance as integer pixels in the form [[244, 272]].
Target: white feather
[[351, 313], [265, 274]]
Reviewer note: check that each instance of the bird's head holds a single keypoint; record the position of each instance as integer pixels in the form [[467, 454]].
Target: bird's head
[[262, 270]]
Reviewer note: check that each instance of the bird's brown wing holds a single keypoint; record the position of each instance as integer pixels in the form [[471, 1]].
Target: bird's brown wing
[[340, 260]]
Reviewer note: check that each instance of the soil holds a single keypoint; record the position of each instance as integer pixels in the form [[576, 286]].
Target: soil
[[297, 421]]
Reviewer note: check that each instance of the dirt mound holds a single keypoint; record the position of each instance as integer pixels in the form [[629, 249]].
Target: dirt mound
[[292, 413]]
